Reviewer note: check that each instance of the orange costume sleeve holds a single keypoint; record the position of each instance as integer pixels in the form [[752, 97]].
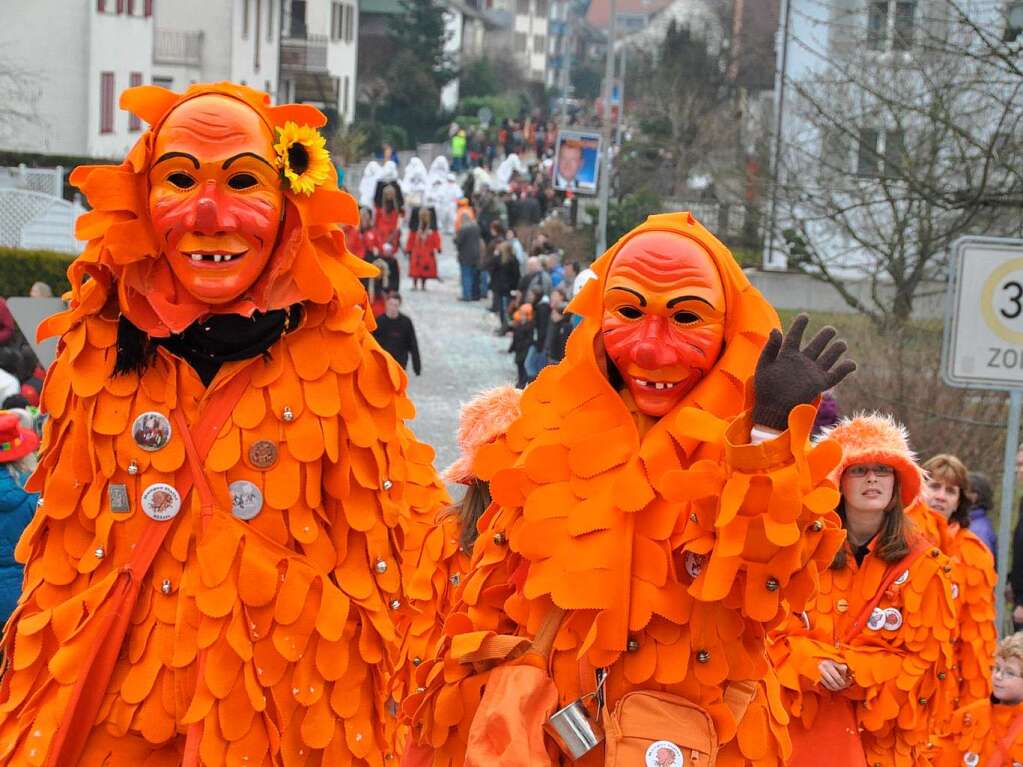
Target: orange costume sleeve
[[974, 581], [900, 666], [672, 550], [274, 632]]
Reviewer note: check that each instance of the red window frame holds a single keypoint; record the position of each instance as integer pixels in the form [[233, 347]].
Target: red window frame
[[106, 102], [134, 123]]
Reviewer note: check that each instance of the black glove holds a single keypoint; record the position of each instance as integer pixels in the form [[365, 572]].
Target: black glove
[[787, 376]]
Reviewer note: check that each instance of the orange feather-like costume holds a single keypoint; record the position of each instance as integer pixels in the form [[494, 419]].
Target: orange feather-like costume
[[296, 611], [672, 548]]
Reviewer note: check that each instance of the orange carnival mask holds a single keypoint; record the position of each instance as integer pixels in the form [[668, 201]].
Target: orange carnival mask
[[216, 197], [226, 205], [663, 318]]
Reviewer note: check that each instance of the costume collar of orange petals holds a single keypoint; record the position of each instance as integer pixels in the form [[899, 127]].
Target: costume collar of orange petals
[[123, 258]]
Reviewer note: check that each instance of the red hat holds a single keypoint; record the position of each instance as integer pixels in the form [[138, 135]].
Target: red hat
[[877, 438], [15, 441], [481, 421]]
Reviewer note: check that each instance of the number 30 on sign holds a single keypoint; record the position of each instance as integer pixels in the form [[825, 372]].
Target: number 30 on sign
[[984, 317]]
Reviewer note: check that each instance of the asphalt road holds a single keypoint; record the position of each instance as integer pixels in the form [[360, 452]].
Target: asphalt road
[[461, 356]]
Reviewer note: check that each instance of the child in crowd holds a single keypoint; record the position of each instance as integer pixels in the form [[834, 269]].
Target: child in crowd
[[522, 340], [989, 732], [17, 460]]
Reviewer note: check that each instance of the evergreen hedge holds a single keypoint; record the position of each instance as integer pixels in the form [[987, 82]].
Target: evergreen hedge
[[19, 269]]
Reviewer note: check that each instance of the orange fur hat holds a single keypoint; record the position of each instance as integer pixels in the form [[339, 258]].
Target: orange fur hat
[[480, 421], [877, 438]]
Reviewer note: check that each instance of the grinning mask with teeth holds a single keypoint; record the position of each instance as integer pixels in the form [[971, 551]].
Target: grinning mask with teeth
[[663, 321], [215, 196]]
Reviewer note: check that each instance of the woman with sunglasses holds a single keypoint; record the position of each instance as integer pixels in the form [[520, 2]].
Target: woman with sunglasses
[[865, 671]]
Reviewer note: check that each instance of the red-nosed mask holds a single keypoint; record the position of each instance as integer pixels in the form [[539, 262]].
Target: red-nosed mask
[[215, 196], [663, 322]]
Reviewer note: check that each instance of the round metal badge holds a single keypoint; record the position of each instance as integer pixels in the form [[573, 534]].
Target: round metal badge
[[151, 431], [876, 620], [971, 759], [664, 753], [246, 499], [694, 564], [262, 454], [902, 578], [955, 591], [892, 619], [161, 502]]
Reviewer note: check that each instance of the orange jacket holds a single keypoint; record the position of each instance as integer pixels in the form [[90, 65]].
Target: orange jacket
[[902, 681], [974, 581], [671, 547], [979, 729]]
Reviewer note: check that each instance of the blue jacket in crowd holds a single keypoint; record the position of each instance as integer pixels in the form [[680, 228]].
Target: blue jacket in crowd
[[16, 509], [980, 525]]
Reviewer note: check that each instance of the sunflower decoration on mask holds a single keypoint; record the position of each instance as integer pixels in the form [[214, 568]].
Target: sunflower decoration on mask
[[303, 157]]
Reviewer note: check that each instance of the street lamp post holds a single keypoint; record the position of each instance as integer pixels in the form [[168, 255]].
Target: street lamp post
[[605, 142]]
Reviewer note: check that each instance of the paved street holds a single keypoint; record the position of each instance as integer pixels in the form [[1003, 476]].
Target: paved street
[[461, 355]]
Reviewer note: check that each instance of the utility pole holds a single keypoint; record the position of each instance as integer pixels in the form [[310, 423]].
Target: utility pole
[[566, 62], [772, 221], [605, 134], [621, 97]]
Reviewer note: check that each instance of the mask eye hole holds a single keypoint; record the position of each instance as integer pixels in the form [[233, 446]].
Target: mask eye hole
[[242, 181], [686, 318], [630, 312], [181, 180]]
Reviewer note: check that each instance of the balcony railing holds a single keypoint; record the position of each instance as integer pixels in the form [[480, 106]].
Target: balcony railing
[[307, 54], [172, 46]]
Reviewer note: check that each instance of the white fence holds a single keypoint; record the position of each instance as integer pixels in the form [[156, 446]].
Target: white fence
[[46, 180], [40, 221]]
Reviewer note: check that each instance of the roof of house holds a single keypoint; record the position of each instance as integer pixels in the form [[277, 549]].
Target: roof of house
[[382, 7], [599, 13]]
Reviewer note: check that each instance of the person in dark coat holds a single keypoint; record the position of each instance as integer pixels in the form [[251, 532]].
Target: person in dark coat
[[522, 341], [504, 280], [559, 327], [468, 245], [1015, 587], [396, 334], [17, 459]]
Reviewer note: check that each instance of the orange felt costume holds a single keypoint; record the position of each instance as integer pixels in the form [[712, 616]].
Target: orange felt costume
[[434, 569], [974, 581], [900, 665], [671, 544], [269, 636], [985, 731]]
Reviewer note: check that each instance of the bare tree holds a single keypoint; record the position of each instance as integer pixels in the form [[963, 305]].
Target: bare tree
[[903, 137], [19, 93]]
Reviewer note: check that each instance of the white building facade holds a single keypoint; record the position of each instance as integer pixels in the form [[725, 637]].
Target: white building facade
[[319, 52], [885, 45], [77, 56]]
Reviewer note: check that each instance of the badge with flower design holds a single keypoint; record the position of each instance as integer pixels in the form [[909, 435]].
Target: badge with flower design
[[302, 157]]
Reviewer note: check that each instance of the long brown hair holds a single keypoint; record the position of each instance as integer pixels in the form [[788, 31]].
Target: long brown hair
[[469, 510], [892, 544]]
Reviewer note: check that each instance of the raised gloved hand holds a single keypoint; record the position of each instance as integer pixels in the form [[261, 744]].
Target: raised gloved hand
[[787, 376]]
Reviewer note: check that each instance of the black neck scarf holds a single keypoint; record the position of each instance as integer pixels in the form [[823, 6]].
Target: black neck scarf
[[208, 344]]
